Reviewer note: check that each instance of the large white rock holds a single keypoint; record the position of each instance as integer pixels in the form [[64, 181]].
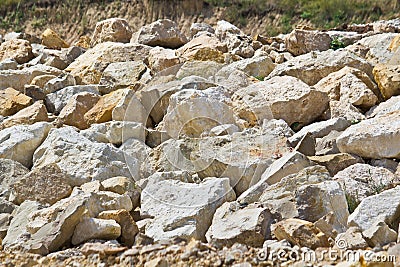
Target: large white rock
[[192, 112], [20, 142], [314, 201], [87, 68], [383, 207], [281, 197], [163, 32], [81, 159], [286, 98], [300, 42], [115, 132], [129, 108], [312, 67], [242, 156], [10, 171], [390, 105], [183, 210], [373, 138], [56, 101], [320, 129], [350, 85], [232, 224], [140, 153], [155, 98], [288, 164], [92, 228], [363, 180], [375, 48], [17, 79], [112, 30]]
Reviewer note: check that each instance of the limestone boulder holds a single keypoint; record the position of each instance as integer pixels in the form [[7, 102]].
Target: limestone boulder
[[232, 224], [111, 30], [238, 43], [92, 228], [258, 67], [122, 74], [155, 98], [22, 138], [373, 138], [163, 32], [162, 58], [183, 210], [300, 42], [320, 129], [102, 110], [81, 159], [288, 164], [60, 82], [17, 227], [29, 115], [12, 101], [375, 48], [388, 79], [286, 98], [336, 162], [383, 207], [130, 108], [17, 79], [129, 228], [192, 112], [352, 86], [352, 238], [56, 101], [204, 69], [115, 132], [313, 66], [11, 171], [202, 27], [45, 185], [301, 233], [242, 157], [343, 109], [18, 49], [362, 180], [203, 48], [314, 201], [41, 80], [281, 197], [88, 68], [380, 234], [390, 105], [52, 40], [141, 153], [74, 111]]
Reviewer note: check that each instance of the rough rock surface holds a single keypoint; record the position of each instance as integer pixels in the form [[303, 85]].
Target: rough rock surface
[[313, 66], [286, 98], [249, 225], [87, 68], [111, 30], [173, 202], [17, 49], [162, 32], [382, 207], [373, 138], [82, 160], [300, 42], [12, 101], [24, 138]]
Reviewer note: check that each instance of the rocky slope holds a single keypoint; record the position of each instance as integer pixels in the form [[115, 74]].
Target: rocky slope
[[159, 148]]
